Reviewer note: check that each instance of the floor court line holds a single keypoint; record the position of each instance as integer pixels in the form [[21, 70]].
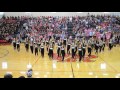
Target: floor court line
[[108, 64]]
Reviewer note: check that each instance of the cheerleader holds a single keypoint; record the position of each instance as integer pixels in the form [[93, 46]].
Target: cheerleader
[[64, 41], [96, 47], [42, 49], [92, 44], [73, 50], [31, 46], [119, 40], [76, 47], [100, 45], [14, 43], [61, 43], [36, 49], [116, 41], [43, 41], [103, 46], [39, 44], [18, 45], [110, 44], [89, 49], [80, 52], [50, 51], [63, 52], [68, 47], [78, 42], [84, 49], [53, 42], [47, 45], [58, 49], [34, 41], [27, 44]]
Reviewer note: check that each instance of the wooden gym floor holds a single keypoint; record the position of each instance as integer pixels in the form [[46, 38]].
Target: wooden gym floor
[[107, 65]]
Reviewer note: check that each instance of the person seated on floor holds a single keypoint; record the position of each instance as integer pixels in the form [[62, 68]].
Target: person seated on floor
[[29, 73], [21, 77], [8, 75]]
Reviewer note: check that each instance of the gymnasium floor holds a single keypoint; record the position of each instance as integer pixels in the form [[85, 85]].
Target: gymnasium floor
[[107, 65]]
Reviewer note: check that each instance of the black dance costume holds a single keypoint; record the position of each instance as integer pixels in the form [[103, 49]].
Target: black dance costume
[[110, 45], [14, 44], [96, 47], [68, 48], [73, 51], [36, 49], [18, 45], [42, 51], [103, 46], [63, 53], [89, 50], [27, 46], [51, 52], [80, 53], [58, 50], [64, 42], [84, 49], [100, 46], [31, 47]]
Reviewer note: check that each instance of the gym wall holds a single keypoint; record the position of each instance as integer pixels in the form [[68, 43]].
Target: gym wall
[[58, 13]]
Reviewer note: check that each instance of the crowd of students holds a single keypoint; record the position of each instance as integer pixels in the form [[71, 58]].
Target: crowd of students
[[8, 27]]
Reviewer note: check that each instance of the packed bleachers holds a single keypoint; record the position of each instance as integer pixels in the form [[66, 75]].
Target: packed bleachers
[[44, 26]]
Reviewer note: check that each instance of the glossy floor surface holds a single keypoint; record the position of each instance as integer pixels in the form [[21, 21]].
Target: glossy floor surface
[[107, 65]]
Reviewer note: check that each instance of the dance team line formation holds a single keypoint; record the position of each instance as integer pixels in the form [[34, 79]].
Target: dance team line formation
[[89, 33]]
